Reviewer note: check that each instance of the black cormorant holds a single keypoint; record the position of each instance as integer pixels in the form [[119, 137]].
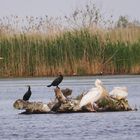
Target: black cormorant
[[57, 81], [27, 95]]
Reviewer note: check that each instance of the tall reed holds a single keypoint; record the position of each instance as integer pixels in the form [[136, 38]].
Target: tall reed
[[72, 52], [43, 47]]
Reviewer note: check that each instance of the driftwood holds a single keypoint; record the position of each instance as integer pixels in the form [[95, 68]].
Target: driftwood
[[40, 107], [31, 107], [66, 92], [63, 104]]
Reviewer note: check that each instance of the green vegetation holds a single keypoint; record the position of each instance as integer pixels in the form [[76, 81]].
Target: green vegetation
[[80, 51], [43, 47]]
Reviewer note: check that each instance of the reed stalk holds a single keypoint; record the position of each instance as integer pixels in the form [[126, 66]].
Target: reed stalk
[[81, 51]]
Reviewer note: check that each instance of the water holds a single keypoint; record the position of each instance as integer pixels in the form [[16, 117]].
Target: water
[[74, 126]]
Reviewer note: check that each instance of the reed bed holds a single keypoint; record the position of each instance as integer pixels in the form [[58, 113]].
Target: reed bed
[[45, 49], [80, 52]]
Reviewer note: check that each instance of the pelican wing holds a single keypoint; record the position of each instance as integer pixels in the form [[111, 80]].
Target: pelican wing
[[119, 93], [90, 97]]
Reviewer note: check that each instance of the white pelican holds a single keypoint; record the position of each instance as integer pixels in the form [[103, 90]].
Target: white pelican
[[119, 93], [94, 94]]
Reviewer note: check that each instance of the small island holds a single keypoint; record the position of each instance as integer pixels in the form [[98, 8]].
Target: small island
[[97, 99]]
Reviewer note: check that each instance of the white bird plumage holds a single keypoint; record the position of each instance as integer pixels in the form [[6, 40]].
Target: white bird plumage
[[119, 93], [94, 94], [99, 91]]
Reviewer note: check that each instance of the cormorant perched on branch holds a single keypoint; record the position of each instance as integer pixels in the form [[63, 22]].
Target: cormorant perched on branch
[[57, 81], [27, 95]]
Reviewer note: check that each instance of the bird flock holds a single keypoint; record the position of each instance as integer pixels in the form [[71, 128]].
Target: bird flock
[[56, 82], [92, 95]]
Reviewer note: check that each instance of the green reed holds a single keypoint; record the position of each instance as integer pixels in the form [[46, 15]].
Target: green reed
[[77, 51]]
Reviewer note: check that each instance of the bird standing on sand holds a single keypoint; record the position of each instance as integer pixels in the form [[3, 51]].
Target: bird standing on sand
[[57, 81], [27, 95]]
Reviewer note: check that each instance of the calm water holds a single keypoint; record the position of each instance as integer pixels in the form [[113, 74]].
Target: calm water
[[76, 126]]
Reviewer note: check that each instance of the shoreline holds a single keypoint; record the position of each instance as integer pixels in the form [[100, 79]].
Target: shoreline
[[68, 76]]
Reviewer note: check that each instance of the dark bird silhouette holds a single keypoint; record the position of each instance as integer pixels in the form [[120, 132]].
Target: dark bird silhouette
[[27, 95], [57, 81]]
